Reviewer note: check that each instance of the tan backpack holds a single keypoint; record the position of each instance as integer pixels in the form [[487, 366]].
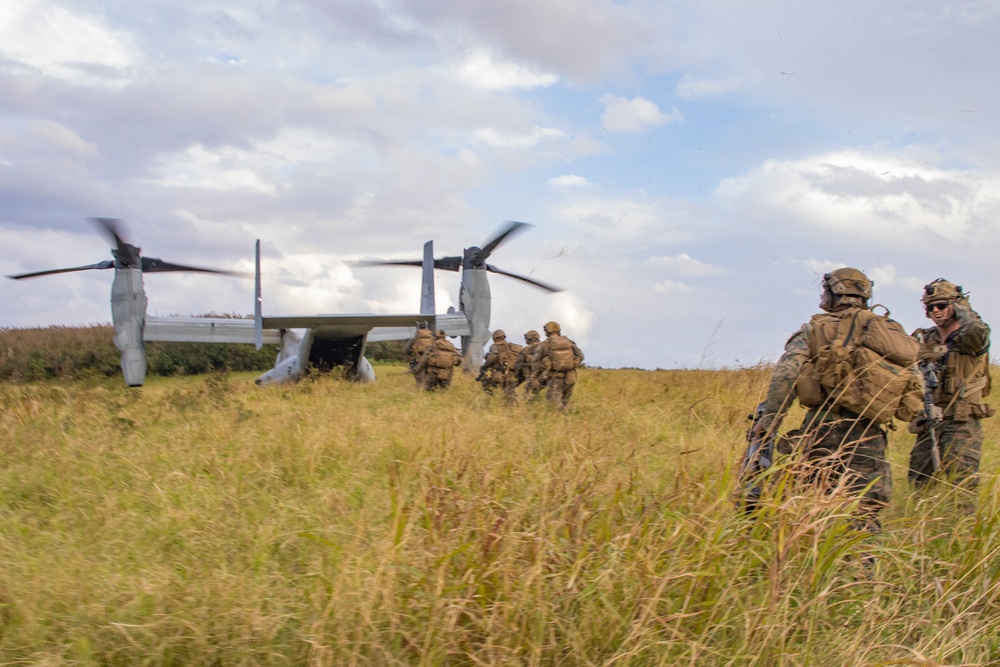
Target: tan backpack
[[561, 354], [421, 342], [443, 355], [508, 356], [859, 361]]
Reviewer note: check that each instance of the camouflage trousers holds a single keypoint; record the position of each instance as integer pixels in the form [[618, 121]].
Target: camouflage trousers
[[961, 448], [505, 382], [853, 452], [433, 380], [559, 388], [532, 390]]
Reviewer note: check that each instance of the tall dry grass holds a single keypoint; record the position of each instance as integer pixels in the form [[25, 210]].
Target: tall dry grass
[[208, 521]]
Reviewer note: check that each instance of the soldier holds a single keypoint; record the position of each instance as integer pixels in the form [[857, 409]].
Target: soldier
[[556, 361], [498, 369], [842, 435], [524, 369], [438, 362], [415, 348], [955, 351]]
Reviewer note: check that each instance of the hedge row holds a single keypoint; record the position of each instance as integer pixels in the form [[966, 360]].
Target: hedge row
[[81, 352]]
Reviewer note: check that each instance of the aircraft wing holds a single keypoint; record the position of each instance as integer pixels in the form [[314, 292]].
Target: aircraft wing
[[224, 330], [204, 330], [344, 326], [454, 324]]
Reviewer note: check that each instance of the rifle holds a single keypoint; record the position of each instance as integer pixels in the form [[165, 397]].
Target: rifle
[[932, 413], [757, 458]]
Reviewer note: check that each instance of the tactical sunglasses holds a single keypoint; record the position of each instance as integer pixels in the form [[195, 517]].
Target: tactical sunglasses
[[939, 305]]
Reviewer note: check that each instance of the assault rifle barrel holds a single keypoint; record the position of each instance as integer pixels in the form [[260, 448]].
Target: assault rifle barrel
[[757, 458], [929, 371]]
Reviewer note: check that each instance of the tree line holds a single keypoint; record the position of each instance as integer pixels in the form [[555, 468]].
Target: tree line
[[61, 352]]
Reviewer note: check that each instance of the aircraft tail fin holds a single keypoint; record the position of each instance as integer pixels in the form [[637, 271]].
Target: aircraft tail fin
[[258, 320], [427, 281]]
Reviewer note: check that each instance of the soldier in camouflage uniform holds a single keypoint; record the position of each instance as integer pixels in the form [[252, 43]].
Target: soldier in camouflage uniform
[[438, 362], [414, 349], [557, 360], [523, 368], [498, 368], [834, 442], [958, 347]]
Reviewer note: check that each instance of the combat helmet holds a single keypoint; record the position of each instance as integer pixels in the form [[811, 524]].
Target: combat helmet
[[944, 290], [440, 334], [532, 337], [551, 328], [499, 335], [845, 286]]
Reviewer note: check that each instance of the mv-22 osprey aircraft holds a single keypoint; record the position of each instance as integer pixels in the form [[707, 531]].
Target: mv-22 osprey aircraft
[[322, 341]]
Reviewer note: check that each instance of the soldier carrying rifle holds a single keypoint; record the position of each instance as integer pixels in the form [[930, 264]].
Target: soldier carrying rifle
[[849, 367], [954, 356]]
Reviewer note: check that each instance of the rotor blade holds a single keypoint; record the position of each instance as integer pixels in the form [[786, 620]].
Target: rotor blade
[[387, 262], [511, 228], [448, 263], [442, 264], [106, 264], [154, 265], [530, 281], [127, 255], [110, 227]]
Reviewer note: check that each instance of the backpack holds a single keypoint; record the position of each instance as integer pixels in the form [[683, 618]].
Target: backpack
[[508, 356], [860, 362], [442, 356], [561, 354], [421, 342]]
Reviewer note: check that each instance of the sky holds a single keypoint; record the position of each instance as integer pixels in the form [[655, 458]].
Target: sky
[[691, 169]]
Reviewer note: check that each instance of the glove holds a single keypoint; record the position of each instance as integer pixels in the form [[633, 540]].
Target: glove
[[917, 426]]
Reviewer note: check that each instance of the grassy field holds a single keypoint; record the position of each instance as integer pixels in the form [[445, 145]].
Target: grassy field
[[207, 521]]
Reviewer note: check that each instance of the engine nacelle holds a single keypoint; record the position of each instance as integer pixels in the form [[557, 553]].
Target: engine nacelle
[[128, 313], [474, 298]]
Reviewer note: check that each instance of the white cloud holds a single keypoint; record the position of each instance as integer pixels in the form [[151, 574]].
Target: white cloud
[[614, 218], [47, 135], [569, 181], [482, 70], [625, 115], [685, 265], [574, 318], [872, 194], [218, 169], [819, 267], [73, 47], [491, 136], [629, 218], [262, 168], [668, 286], [887, 276]]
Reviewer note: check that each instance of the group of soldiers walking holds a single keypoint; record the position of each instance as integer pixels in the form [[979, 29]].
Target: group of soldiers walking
[[550, 364], [855, 371]]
